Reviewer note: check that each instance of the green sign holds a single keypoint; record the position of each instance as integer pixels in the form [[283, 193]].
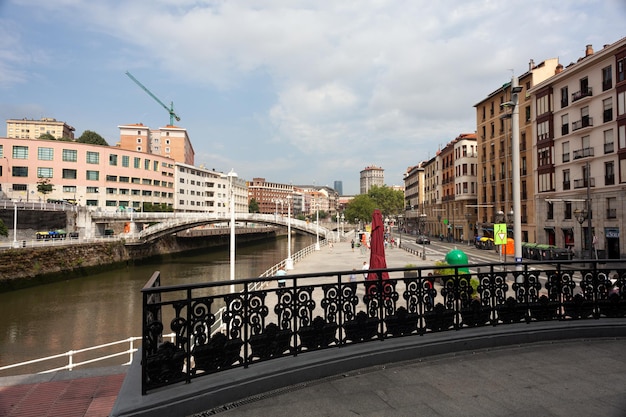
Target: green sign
[[499, 234], [445, 221]]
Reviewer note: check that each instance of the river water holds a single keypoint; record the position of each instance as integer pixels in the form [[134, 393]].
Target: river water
[[101, 308]]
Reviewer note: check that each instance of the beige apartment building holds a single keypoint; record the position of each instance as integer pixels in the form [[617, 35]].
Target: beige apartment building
[[494, 145], [33, 129], [169, 141], [579, 125], [370, 176]]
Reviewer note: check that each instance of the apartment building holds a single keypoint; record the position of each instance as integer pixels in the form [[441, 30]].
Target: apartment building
[[207, 191], [494, 146], [92, 175], [413, 195], [580, 153], [370, 176], [33, 129], [169, 141], [272, 197]]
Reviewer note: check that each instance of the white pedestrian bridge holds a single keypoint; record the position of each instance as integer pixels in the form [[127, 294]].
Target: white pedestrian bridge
[[145, 227]]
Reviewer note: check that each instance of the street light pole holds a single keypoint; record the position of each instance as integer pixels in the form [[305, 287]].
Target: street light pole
[[288, 261], [317, 227], [517, 201], [15, 225], [231, 176]]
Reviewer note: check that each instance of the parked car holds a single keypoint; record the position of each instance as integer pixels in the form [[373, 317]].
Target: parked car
[[423, 240]]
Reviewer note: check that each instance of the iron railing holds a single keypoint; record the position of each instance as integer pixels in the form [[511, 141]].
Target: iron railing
[[331, 310]]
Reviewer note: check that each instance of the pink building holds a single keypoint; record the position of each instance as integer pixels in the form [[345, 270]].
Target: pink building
[[92, 175]]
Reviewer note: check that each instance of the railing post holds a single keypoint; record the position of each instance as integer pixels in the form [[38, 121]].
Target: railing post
[[70, 364]]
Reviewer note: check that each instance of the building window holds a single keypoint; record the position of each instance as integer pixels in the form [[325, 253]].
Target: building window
[[139, 149], [564, 124], [608, 141], [70, 155], [45, 154], [125, 161], [550, 211], [135, 180], [567, 212], [69, 174], [20, 152], [113, 159], [607, 114], [609, 173], [1, 151], [92, 190], [146, 164], [20, 187], [93, 157], [124, 179], [111, 190], [137, 162], [138, 140], [112, 178], [621, 103], [69, 189], [611, 208], [607, 78], [93, 175], [564, 97], [565, 152], [19, 172], [621, 70], [155, 166], [44, 172], [566, 179], [92, 203]]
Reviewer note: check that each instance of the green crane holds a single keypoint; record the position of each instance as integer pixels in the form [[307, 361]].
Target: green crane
[[170, 109]]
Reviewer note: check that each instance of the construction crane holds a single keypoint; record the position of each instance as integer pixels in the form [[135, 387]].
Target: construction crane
[[170, 109]]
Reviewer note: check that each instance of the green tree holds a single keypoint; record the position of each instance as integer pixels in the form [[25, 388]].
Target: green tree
[[47, 136], [3, 229], [253, 206], [361, 207], [44, 186], [390, 202], [92, 138]]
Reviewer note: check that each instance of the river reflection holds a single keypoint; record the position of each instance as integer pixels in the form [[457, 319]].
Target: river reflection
[[105, 307]]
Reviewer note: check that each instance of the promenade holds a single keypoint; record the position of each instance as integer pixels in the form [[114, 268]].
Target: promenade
[[581, 377]]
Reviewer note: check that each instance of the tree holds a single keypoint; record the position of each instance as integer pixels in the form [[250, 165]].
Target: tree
[[390, 202], [47, 136], [92, 138], [253, 206], [3, 229], [44, 186], [361, 207]]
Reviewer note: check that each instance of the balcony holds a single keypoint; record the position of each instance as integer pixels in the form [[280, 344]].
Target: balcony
[[609, 179], [582, 183], [582, 123], [611, 213], [583, 153], [579, 95]]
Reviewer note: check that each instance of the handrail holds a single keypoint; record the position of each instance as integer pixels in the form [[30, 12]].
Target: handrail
[[70, 354]]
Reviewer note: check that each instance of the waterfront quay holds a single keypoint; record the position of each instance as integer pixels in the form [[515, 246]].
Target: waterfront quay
[[558, 376]]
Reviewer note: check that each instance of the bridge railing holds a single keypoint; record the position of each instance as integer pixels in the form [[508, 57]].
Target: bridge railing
[[336, 309]]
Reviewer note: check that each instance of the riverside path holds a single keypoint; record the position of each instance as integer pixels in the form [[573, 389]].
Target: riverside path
[[566, 378]]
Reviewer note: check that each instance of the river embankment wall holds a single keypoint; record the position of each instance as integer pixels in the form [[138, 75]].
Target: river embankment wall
[[25, 267]]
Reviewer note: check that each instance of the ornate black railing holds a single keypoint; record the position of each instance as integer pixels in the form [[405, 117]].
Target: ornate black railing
[[320, 311]]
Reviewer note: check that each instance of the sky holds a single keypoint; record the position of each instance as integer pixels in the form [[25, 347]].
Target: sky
[[294, 91]]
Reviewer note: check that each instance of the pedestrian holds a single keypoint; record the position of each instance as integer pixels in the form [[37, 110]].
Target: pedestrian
[[352, 245], [281, 280], [365, 267], [353, 275]]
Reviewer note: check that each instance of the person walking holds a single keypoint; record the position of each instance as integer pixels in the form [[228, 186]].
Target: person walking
[[365, 267], [352, 245]]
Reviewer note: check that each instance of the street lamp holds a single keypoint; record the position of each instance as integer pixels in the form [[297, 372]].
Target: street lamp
[[289, 261], [317, 227], [400, 216], [231, 177], [342, 220], [581, 216], [15, 244], [422, 227]]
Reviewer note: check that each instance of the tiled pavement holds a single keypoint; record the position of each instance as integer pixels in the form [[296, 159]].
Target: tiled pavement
[[85, 393]]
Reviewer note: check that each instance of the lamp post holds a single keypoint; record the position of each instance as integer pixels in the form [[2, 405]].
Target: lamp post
[[400, 217], [468, 216], [342, 220], [422, 221], [15, 244], [581, 216], [317, 227], [288, 261], [231, 176]]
